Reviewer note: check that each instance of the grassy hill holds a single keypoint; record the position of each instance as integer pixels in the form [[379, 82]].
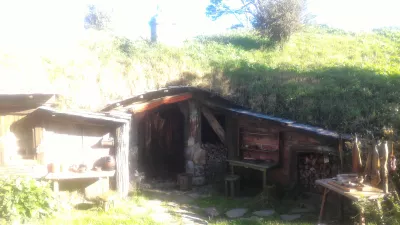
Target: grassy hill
[[325, 77]]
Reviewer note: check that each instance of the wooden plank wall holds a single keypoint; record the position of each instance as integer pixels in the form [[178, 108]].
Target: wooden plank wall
[[71, 143], [268, 134]]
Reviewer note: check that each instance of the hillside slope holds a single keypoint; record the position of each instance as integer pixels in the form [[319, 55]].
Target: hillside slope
[[336, 80]]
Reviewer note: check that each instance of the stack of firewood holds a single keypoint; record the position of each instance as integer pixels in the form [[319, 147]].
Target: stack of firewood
[[215, 161], [313, 166]]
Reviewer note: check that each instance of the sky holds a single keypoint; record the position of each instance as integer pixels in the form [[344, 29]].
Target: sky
[[54, 22]]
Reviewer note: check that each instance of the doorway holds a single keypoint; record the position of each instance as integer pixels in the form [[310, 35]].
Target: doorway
[[161, 141]]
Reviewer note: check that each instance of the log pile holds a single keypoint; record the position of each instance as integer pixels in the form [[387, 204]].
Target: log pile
[[313, 166], [215, 161]]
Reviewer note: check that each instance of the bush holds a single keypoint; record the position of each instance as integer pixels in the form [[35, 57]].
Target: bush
[[279, 19], [389, 214], [23, 198]]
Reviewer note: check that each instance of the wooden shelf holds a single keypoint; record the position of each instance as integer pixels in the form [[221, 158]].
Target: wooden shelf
[[258, 150]]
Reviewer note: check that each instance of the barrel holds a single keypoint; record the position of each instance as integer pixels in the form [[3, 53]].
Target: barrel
[[185, 181]]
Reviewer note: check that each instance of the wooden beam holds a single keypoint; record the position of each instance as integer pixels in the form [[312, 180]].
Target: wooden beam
[[141, 107], [214, 124]]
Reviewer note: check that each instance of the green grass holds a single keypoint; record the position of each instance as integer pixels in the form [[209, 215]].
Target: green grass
[[143, 210], [325, 77], [123, 213]]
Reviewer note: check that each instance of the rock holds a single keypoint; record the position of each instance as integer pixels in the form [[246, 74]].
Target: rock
[[211, 212], [236, 213], [199, 156], [190, 167], [198, 170], [287, 217], [264, 213]]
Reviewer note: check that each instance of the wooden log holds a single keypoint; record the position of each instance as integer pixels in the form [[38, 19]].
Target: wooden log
[[214, 123], [141, 107]]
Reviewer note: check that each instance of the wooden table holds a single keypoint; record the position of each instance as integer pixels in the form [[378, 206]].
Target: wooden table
[[263, 167], [353, 195], [56, 177]]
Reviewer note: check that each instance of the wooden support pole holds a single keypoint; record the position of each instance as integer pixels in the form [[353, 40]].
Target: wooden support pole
[[214, 124], [341, 153], [122, 159], [384, 166], [134, 148], [321, 212]]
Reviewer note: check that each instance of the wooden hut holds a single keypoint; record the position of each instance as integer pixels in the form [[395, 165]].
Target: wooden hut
[[186, 129], [66, 138]]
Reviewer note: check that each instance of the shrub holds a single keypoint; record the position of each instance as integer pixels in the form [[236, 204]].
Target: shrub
[[389, 214], [23, 198], [279, 19]]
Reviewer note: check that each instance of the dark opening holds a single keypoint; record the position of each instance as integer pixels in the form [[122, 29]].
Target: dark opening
[[161, 154], [208, 135]]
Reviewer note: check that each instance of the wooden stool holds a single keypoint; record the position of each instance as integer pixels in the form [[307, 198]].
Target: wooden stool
[[230, 182]]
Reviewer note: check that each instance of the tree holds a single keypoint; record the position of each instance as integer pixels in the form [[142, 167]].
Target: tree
[[277, 19], [97, 19]]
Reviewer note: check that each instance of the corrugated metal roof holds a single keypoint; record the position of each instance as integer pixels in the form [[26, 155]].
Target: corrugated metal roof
[[77, 117], [83, 114], [289, 123], [16, 103]]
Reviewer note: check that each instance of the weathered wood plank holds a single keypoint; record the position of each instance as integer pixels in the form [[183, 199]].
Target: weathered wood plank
[[122, 159], [141, 107], [214, 123]]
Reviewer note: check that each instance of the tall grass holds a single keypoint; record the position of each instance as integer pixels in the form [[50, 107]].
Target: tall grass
[[342, 81]]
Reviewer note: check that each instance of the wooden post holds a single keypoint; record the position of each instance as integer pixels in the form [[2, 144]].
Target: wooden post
[[122, 159], [193, 143], [231, 137], [321, 212], [134, 147], [376, 167], [357, 163], [384, 166], [194, 124], [341, 153]]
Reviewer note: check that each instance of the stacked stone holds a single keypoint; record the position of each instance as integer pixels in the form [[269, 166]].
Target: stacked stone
[[195, 161]]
